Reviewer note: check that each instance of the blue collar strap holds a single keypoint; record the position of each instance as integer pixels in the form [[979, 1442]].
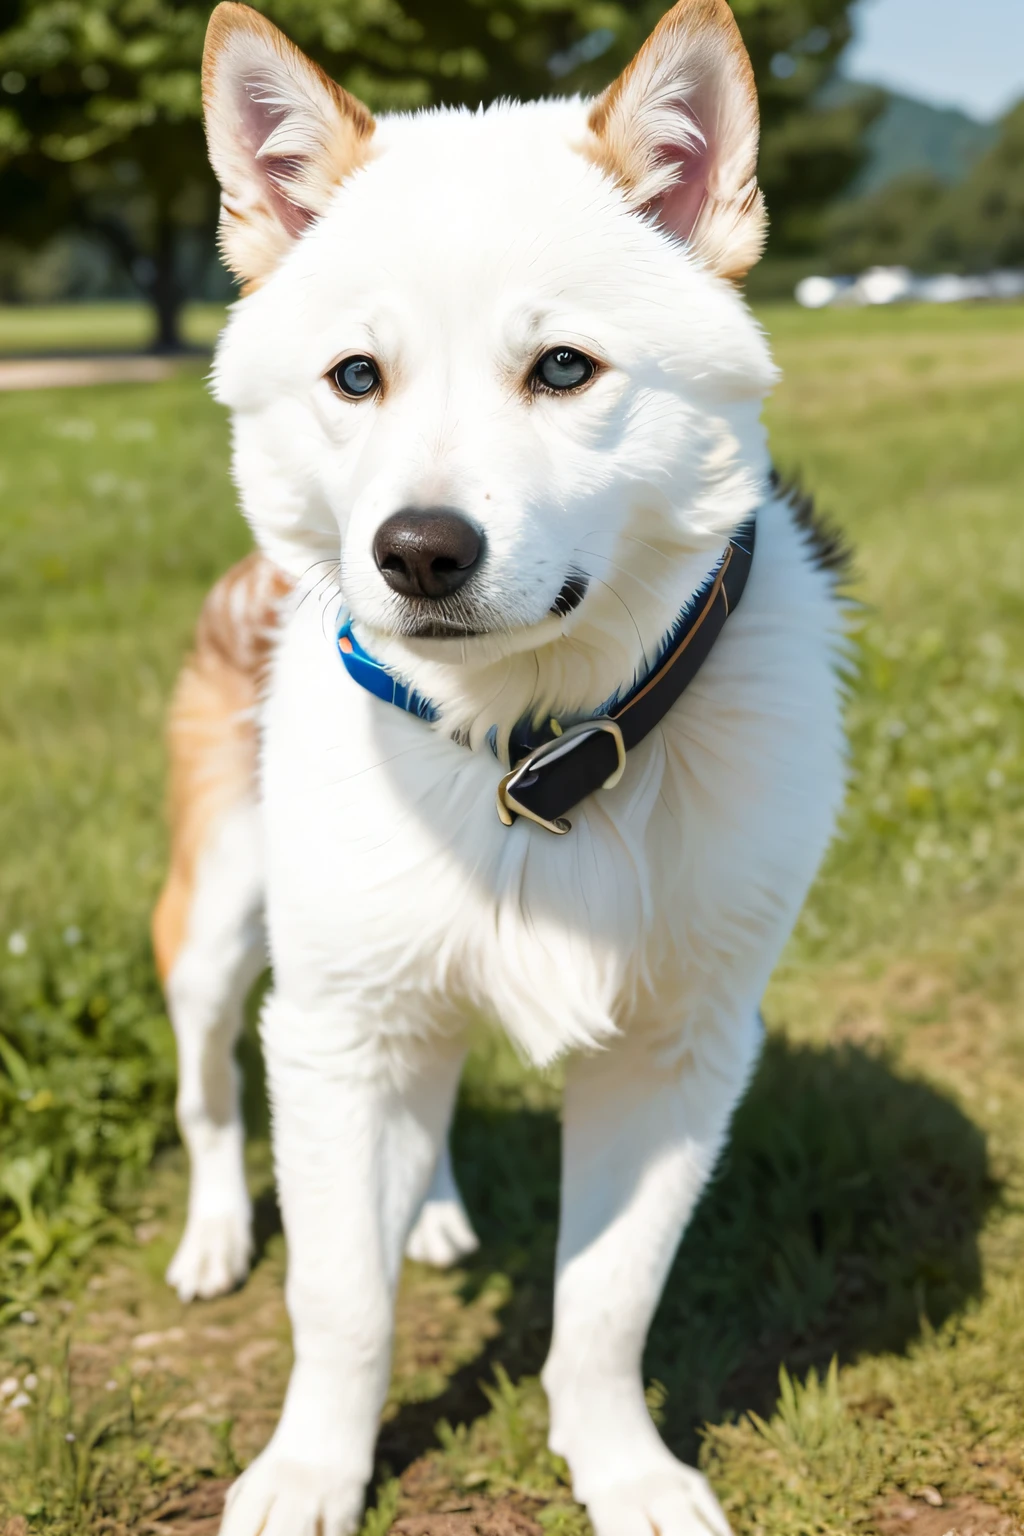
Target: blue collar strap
[[555, 768], [376, 679]]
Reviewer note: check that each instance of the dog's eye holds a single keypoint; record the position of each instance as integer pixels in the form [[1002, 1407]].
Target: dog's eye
[[356, 377], [562, 368]]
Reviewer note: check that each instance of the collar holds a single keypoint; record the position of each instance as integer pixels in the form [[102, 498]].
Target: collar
[[370, 674], [554, 768]]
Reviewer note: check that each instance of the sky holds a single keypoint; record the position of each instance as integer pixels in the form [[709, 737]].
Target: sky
[[959, 53]]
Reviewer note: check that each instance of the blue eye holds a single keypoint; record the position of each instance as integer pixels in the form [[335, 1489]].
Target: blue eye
[[356, 377], [562, 368]]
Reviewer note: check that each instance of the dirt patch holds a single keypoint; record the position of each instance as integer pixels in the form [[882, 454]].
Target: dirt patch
[[80, 372], [475, 1517], [190, 1512], [197, 1511], [965, 1516], [428, 1505]]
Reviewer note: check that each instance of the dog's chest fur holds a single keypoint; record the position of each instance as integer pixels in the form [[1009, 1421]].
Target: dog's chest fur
[[393, 880]]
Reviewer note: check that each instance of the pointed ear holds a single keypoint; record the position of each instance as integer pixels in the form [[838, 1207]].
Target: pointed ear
[[281, 137], [678, 130]]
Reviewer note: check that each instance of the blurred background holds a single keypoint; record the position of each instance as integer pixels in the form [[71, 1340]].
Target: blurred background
[[841, 1342], [893, 129]]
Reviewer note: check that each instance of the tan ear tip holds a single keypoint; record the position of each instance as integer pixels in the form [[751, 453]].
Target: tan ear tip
[[219, 25], [232, 10], [226, 17]]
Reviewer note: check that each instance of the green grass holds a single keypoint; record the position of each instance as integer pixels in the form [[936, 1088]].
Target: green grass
[[870, 1208], [110, 327]]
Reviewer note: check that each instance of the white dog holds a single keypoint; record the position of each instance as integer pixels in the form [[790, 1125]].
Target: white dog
[[525, 753]]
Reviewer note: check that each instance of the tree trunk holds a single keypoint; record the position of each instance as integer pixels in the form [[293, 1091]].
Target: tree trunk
[[165, 293]]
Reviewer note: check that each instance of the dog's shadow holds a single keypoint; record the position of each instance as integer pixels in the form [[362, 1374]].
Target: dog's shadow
[[842, 1219]]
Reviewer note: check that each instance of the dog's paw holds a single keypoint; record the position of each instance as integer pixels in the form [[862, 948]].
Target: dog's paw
[[442, 1234], [277, 1497], [673, 1502], [213, 1255]]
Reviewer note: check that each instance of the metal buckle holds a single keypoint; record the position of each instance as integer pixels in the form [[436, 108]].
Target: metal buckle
[[507, 802]]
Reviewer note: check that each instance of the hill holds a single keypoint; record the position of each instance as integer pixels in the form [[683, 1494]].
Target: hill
[[912, 136]]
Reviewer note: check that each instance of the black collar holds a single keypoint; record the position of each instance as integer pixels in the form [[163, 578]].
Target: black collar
[[563, 768]]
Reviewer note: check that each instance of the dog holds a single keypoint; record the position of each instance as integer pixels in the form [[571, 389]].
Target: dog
[[540, 667]]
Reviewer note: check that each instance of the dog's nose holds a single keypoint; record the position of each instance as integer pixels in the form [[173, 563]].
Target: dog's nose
[[427, 553]]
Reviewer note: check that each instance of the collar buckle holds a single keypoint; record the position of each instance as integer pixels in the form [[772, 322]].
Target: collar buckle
[[509, 806]]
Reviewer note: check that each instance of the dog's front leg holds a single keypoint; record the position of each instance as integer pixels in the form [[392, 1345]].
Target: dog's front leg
[[641, 1135], [356, 1138]]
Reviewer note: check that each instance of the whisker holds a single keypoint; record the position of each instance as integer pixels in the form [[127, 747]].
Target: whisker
[[622, 600], [662, 554], [405, 752], [330, 575], [621, 568], [501, 685]]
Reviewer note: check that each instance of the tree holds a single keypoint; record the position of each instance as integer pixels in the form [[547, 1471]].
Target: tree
[[100, 109], [100, 122], [980, 223], [918, 222], [884, 228]]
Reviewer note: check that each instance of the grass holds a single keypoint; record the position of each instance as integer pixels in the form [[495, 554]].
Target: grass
[[842, 1338], [112, 327]]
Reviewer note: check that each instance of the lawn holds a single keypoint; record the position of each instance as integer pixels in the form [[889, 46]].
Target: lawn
[[842, 1339], [113, 327]]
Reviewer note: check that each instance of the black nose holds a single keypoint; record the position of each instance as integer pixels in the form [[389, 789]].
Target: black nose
[[428, 553]]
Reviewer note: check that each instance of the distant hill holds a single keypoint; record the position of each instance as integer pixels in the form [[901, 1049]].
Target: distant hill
[[910, 135]]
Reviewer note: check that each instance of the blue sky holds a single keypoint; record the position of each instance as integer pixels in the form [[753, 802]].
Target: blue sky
[[961, 53]]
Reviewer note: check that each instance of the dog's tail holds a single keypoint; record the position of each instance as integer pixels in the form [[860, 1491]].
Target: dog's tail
[[212, 733]]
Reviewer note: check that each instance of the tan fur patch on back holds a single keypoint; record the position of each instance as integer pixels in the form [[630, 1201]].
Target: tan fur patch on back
[[212, 730]]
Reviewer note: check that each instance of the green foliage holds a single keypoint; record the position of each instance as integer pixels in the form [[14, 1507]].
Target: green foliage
[[100, 122], [379, 1520], [982, 223], [809, 1447], [918, 222], [100, 131], [806, 1416], [86, 1093], [884, 228], [505, 1451]]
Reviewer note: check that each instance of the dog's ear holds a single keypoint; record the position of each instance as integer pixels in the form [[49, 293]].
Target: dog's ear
[[281, 137], [678, 130]]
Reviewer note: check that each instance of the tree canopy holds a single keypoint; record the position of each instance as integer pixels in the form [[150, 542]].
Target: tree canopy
[[919, 222], [100, 106], [100, 124]]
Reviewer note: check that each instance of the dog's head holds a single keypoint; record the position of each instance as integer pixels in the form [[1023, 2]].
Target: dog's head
[[495, 363]]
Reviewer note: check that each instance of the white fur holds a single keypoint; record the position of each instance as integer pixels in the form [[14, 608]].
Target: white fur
[[442, 1233], [223, 953], [398, 904]]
